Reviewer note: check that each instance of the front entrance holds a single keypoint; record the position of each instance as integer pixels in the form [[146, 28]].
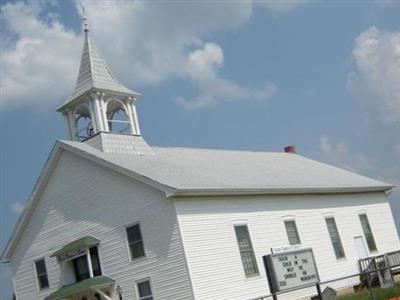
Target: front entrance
[[359, 243], [81, 265]]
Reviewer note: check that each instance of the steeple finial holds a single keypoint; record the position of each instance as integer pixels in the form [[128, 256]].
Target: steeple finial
[[84, 18]]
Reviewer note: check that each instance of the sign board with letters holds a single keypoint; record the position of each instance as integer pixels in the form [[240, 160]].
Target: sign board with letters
[[291, 270], [72, 255]]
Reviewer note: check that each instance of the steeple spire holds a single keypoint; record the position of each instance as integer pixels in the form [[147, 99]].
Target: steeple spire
[[93, 70], [98, 99], [84, 18]]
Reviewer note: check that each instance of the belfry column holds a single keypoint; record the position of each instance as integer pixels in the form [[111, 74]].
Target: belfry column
[[103, 111], [66, 115], [135, 116], [130, 115], [97, 111]]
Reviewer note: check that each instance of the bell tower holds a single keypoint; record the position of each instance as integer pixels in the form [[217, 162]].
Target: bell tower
[[99, 103]]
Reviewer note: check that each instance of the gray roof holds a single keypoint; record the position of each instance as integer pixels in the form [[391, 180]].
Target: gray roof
[[203, 171], [94, 73], [192, 172]]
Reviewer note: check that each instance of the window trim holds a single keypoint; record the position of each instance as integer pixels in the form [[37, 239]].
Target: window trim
[[331, 216], [364, 213], [131, 259], [239, 224], [39, 289], [151, 286], [292, 219]]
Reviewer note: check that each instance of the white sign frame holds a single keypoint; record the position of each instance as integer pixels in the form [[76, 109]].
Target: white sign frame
[[270, 262]]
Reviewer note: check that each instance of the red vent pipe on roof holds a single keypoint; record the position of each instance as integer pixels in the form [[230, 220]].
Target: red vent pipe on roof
[[290, 149]]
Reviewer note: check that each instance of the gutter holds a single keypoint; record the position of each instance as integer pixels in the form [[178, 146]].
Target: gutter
[[277, 191]]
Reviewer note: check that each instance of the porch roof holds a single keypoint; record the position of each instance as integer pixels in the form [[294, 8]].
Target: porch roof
[[84, 285], [85, 242]]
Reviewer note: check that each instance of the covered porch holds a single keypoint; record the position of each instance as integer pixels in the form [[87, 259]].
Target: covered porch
[[81, 268], [95, 288]]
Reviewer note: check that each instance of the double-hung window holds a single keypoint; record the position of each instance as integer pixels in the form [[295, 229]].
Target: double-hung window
[[246, 250], [292, 233], [135, 241], [144, 290], [369, 236], [41, 273], [335, 237]]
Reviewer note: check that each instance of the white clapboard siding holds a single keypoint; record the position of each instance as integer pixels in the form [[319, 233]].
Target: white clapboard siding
[[213, 257], [82, 198]]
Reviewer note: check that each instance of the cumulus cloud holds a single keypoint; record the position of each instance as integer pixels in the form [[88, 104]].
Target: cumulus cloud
[[147, 43], [377, 74], [202, 67], [339, 155], [40, 62], [17, 207]]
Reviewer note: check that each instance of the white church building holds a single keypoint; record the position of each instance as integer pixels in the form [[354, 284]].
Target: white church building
[[114, 218]]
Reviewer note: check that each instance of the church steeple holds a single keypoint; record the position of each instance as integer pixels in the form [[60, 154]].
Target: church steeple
[[99, 103]]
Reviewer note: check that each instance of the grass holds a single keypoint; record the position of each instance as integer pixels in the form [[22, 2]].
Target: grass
[[380, 294]]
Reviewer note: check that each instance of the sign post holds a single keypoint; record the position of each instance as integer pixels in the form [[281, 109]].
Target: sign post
[[290, 270]]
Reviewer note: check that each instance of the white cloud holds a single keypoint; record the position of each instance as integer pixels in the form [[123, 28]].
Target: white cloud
[[40, 67], [338, 154], [144, 42], [203, 63], [377, 75], [17, 207], [202, 67]]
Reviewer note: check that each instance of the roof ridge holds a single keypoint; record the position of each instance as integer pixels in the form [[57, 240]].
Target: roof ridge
[[217, 149]]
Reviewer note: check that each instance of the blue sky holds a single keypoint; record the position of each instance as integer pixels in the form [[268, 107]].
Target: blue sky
[[324, 76]]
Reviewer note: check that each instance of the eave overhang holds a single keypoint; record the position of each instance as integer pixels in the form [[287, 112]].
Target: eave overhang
[[79, 244], [72, 100], [179, 193]]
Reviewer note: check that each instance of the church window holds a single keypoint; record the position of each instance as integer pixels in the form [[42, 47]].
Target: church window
[[369, 236], [144, 290], [135, 241], [41, 273], [117, 117], [246, 250], [335, 237], [292, 233], [84, 126]]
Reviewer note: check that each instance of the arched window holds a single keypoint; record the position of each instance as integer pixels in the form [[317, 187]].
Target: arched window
[[117, 117], [83, 120]]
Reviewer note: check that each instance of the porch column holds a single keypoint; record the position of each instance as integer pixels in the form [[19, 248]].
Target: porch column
[[89, 262], [102, 294]]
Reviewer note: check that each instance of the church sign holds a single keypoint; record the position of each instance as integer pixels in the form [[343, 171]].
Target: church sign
[[72, 255], [291, 270]]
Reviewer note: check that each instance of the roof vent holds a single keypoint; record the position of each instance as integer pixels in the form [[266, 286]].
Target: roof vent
[[290, 149]]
